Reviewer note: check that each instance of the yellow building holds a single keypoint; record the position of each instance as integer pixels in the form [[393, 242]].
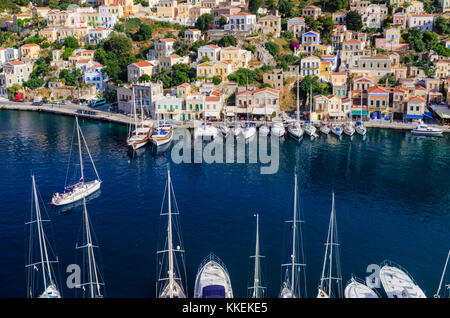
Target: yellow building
[[445, 5], [30, 51], [398, 3], [238, 58], [49, 34], [415, 7], [128, 6], [210, 69], [90, 18], [325, 71]]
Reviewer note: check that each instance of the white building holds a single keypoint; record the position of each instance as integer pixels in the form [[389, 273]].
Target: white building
[[211, 51], [97, 76], [296, 26], [422, 21], [241, 21], [163, 48], [169, 107]]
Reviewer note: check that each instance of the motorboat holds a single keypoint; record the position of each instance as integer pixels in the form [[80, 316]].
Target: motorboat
[[213, 279], [397, 282], [425, 130]]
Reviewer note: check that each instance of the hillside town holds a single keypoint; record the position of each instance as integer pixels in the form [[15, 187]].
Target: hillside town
[[231, 59]]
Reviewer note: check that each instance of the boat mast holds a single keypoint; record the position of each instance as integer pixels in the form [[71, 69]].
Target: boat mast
[[310, 103], [79, 149], [246, 97], [169, 238], [134, 110], [256, 277], [442, 277], [331, 242], [298, 101], [45, 264], [142, 112], [94, 286], [294, 228]]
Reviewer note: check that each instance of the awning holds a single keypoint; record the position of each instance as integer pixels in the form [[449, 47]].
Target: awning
[[428, 114], [358, 113], [414, 116]]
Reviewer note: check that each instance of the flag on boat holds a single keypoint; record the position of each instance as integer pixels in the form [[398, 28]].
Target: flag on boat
[[35, 268]]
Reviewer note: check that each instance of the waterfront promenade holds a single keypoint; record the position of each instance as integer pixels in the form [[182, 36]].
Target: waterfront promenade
[[97, 114]]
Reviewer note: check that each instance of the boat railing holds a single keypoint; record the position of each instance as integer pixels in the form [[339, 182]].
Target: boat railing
[[393, 264], [359, 280], [214, 258]]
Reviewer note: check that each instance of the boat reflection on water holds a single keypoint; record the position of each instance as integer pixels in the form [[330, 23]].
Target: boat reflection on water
[[69, 208], [136, 153], [160, 149]]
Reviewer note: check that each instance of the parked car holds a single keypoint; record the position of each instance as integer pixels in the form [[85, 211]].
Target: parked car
[[63, 102], [37, 103], [44, 101]]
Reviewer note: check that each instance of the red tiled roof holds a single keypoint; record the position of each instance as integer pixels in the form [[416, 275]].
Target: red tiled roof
[[417, 99], [143, 64], [378, 89]]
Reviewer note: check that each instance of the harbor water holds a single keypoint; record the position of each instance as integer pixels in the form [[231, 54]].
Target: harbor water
[[392, 199]]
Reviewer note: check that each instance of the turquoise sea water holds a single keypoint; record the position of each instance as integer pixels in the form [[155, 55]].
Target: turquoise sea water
[[392, 194]]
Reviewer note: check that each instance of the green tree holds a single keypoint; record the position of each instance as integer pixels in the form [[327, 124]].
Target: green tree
[[286, 8], [144, 78], [272, 47], [204, 59], [181, 73], [441, 25], [216, 80], [241, 76], [254, 5], [227, 40], [204, 21], [354, 21], [144, 33], [222, 21], [71, 42]]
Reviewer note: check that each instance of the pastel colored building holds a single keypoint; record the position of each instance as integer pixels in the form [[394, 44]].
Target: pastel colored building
[[310, 41]]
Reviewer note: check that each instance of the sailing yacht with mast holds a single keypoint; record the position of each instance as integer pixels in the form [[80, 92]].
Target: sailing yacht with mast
[[331, 258], [310, 129], [291, 287], [162, 134], [437, 295], [361, 128], [295, 130], [213, 279], [82, 188], [171, 256], [256, 290], [357, 289], [92, 273], [44, 266], [349, 130], [205, 129], [397, 282], [139, 137], [249, 130]]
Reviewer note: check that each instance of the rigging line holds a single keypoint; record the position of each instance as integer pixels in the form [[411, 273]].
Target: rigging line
[[89, 153], [70, 155]]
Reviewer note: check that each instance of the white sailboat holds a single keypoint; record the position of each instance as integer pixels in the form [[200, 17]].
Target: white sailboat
[[213, 279], [82, 188], [325, 129], [249, 130], [224, 129], [357, 289], [256, 290], [331, 260], [162, 134], [139, 137], [44, 265], [361, 128], [94, 280], [205, 129], [310, 129], [336, 129], [397, 282], [264, 130], [437, 295], [295, 130], [171, 265], [349, 130], [291, 287]]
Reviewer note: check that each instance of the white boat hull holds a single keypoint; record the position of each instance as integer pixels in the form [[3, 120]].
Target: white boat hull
[[358, 290], [160, 140], [278, 130], [399, 284], [264, 131], [51, 292], [248, 132], [361, 130], [349, 131], [325, 130], [237, 131], [212, 274], [426, 133], [337, 132], [310, 130], [296, 132], [79, 193]]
